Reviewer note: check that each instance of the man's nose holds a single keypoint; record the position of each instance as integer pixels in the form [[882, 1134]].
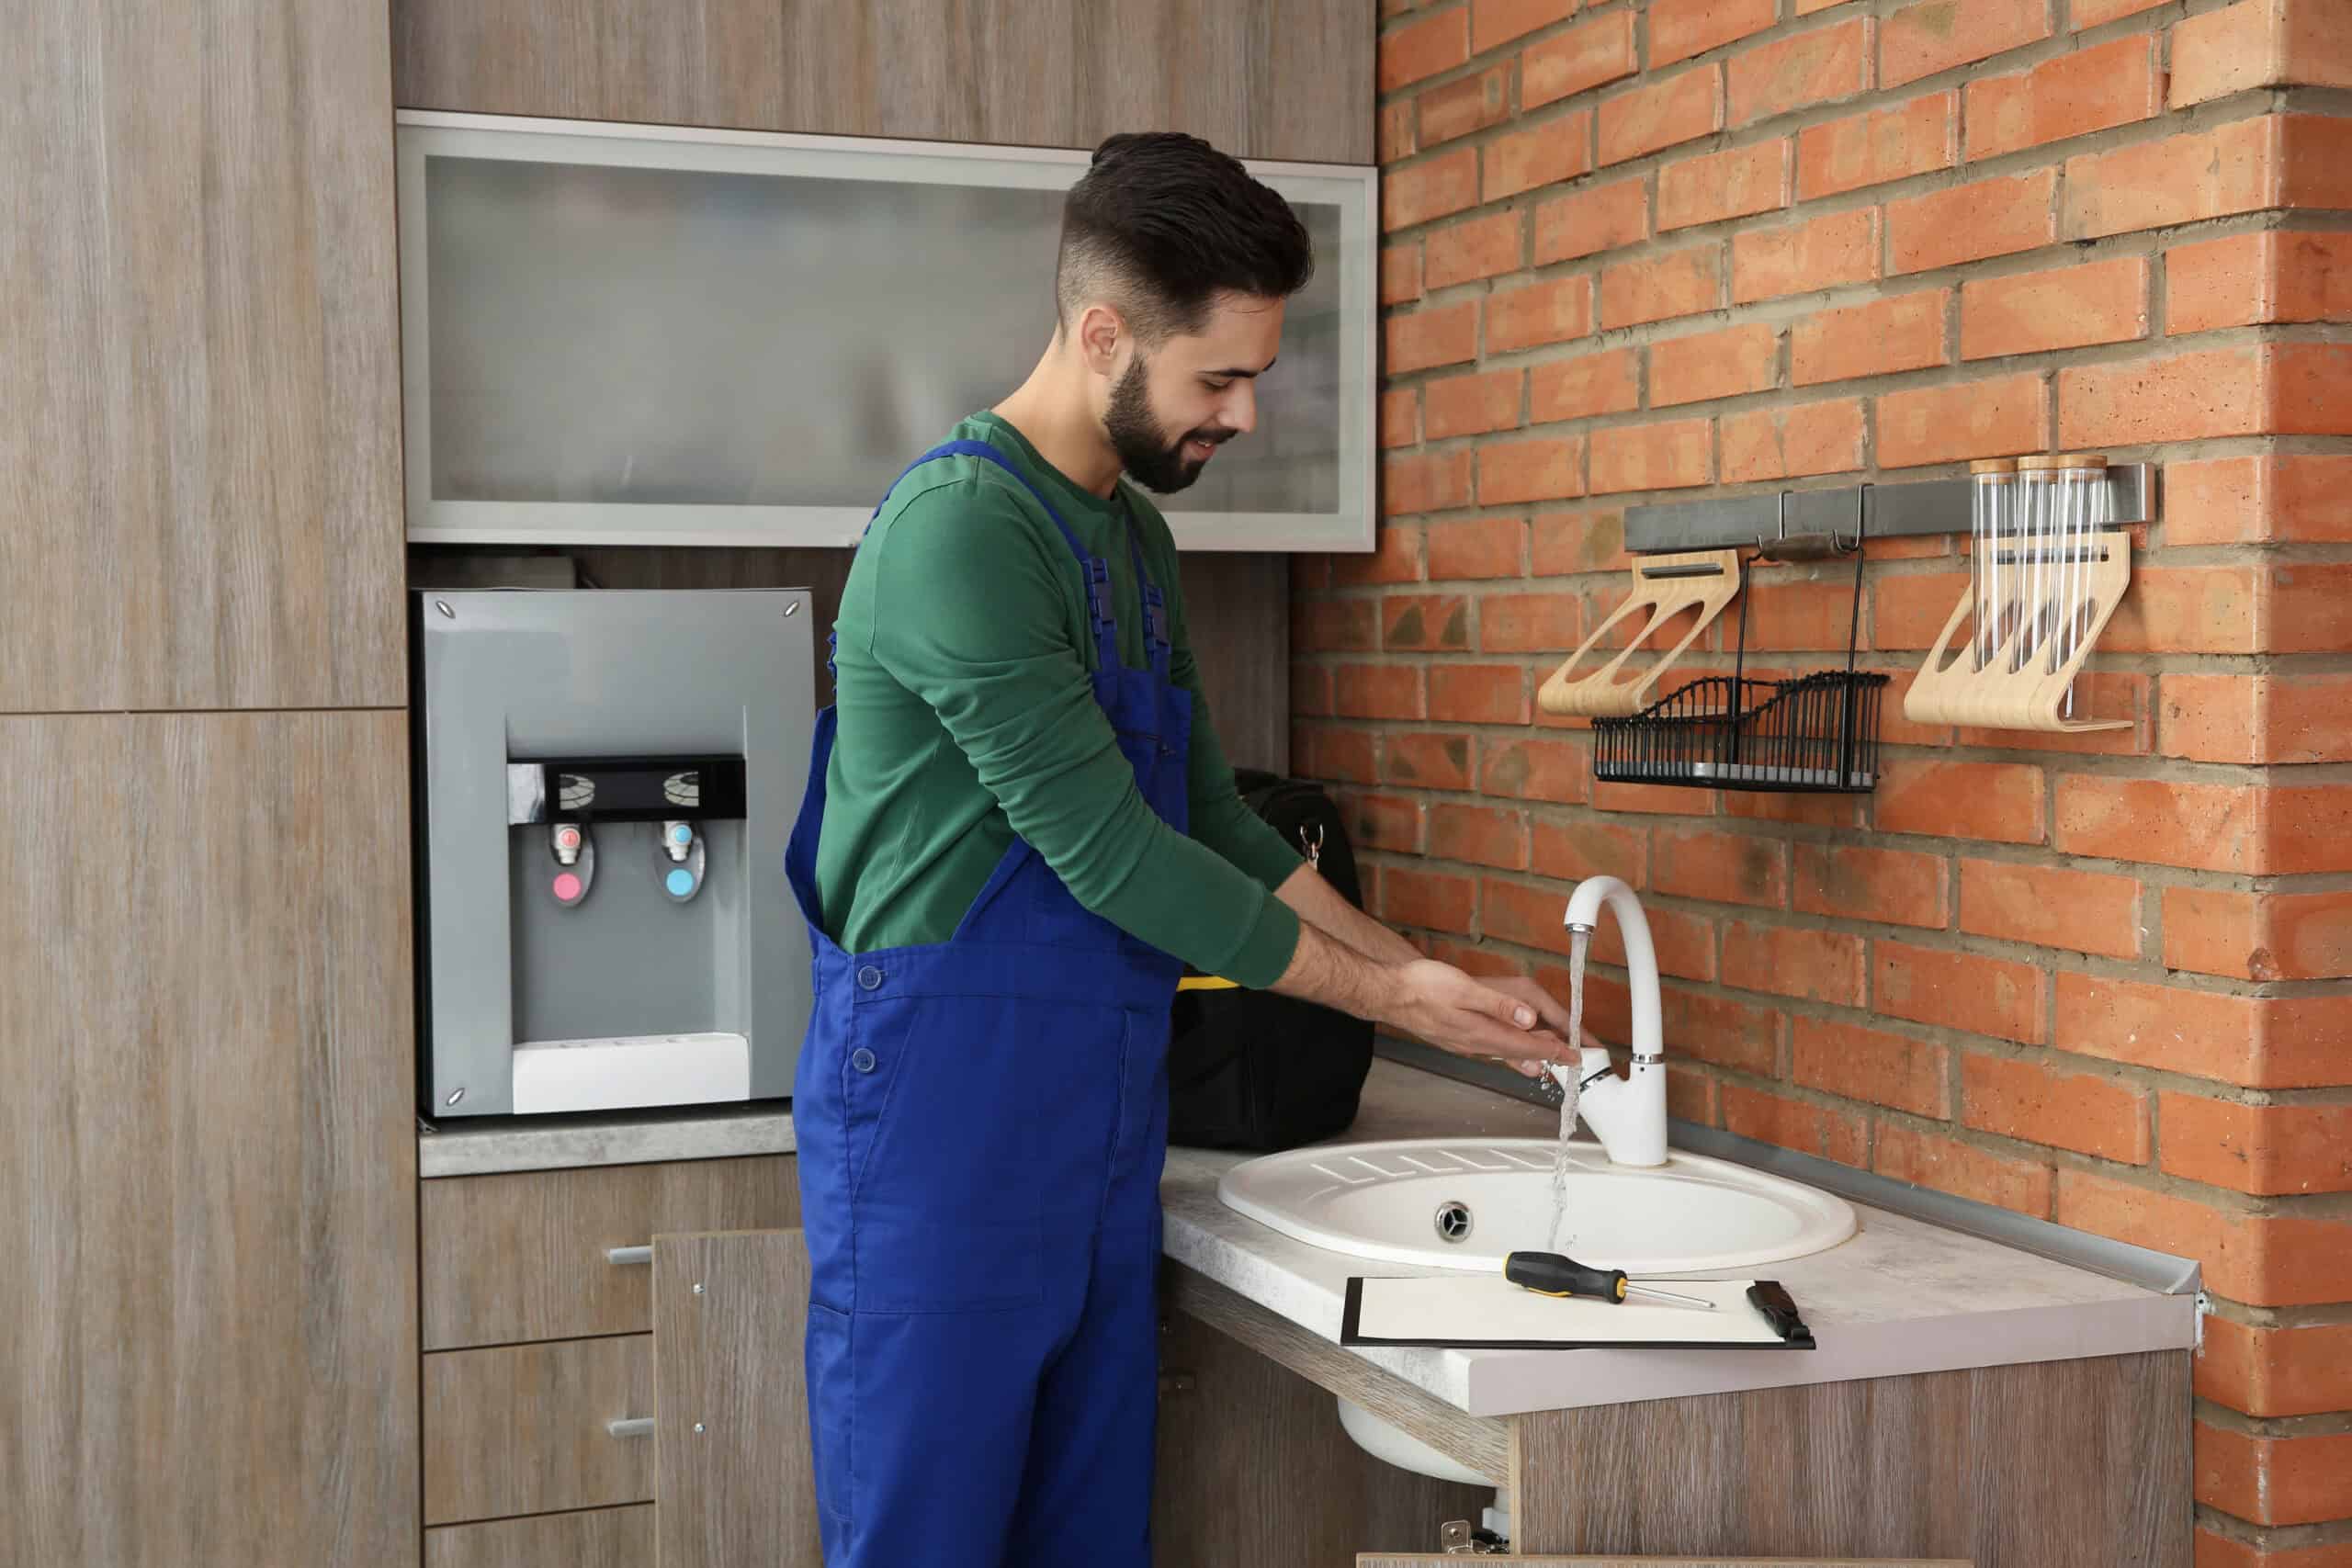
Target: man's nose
[[1240, 412]]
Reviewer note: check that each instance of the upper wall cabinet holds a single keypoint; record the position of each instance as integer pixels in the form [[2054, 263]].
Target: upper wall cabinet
[[634, 334], [1261, 78]]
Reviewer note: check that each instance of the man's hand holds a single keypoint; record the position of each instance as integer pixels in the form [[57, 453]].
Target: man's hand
[[1510, 1020], [1547, 1006], [1442, 1005]]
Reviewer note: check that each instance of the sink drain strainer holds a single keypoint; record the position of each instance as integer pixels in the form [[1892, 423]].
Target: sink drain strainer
[[1453, 1221]]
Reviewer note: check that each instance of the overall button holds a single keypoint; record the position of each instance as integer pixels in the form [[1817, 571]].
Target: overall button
[[869, 978], [862, 1059]]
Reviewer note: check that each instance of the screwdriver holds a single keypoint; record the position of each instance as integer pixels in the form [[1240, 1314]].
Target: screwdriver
[[1549, 1274]]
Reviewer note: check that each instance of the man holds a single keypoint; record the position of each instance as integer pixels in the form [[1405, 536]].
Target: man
[[1019, 828]]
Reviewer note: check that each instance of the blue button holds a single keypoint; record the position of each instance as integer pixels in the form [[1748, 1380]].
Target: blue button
[[682, 834], [870, 978], [862, 1059], [681, 882]]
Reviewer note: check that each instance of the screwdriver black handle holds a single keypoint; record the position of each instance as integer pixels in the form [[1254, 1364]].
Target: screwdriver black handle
[[1548, 1273]]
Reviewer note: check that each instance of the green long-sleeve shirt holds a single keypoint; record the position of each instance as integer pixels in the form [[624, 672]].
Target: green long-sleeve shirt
[[966, 717]]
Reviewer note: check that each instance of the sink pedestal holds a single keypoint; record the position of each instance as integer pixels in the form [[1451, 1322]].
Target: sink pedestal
[[1395, 1446]]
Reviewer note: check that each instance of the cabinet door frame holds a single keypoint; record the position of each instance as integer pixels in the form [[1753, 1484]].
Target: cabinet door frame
[[421, 134]]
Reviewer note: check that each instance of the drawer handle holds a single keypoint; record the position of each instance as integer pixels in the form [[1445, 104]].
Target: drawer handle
[[632, 1427], [629, 1254]]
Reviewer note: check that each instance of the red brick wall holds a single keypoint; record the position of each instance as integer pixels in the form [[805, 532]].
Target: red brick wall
[[1645, 249]]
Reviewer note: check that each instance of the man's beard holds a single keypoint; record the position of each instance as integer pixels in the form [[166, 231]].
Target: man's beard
[[1151, 459]]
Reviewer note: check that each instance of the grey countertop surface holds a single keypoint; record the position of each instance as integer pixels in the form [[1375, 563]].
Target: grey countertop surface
[[460, 1147], [1901, 1296]]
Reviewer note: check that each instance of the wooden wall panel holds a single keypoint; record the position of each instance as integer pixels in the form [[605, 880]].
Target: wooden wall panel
[[1292, 80], [710, 62], [1237, 608], [207, 1146], [1310, 60], [1159, 67], [199, 416]]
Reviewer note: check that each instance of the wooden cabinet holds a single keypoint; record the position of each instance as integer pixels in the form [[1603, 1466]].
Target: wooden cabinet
[[587, 407], [2042, 1465], [1289, 79], [733, 1476], [2034, 1466], [541, 1341], [531, 1255], [594, 1538], [528, 1428]]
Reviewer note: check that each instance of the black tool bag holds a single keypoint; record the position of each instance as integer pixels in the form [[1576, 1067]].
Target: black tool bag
[[1252, 1070]]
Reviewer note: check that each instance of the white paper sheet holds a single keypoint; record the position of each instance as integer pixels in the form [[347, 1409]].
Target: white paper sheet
[[1474, 1309]]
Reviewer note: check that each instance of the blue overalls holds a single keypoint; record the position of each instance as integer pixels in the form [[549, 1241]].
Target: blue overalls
[[982, 1124]]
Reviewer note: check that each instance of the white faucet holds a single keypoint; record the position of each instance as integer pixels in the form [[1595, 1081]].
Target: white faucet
[[1628, 1115]]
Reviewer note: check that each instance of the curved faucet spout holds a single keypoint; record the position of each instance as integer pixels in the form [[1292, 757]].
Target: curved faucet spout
[[1627, 1114], [1641, 955]]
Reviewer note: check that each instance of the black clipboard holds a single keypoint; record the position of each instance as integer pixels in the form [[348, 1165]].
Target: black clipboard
[[1768, 1297]]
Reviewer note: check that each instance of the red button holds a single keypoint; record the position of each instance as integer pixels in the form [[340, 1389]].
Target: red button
[[567, 887]]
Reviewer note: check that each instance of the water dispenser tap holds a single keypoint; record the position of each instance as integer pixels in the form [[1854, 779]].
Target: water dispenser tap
[[575, 859], [678, 838]]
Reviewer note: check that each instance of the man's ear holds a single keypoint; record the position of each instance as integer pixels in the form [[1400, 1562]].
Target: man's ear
[[1100, 332]]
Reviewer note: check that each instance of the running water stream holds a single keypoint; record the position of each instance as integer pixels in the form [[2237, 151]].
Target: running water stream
[[1578, 939]]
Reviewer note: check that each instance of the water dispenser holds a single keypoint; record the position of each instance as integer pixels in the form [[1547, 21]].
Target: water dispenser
[[605, 781]]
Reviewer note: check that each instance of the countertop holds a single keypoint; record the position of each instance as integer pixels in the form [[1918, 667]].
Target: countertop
[[1901, 1296], [459, 1146]]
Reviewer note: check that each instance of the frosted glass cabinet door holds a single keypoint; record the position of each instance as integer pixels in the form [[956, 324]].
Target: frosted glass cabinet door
[[636, 334]]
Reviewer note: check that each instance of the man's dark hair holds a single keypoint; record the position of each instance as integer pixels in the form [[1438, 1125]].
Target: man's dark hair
[[1162, 223]]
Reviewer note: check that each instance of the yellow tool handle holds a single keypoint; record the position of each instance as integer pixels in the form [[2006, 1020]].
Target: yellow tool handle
[[1207, 983]]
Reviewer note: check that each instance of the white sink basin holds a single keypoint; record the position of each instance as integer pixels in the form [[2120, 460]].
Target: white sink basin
[[1463, 1202]]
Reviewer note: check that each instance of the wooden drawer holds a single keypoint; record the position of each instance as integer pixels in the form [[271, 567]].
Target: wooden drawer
[[594, 1537], [520, 1256], [521, 1429]]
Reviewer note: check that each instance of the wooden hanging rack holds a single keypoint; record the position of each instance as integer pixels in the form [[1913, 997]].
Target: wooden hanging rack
[[1975, 685], [1664, 586], [2040, 591]]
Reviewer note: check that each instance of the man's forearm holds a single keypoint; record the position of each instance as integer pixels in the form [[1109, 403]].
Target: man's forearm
[[1326, 970], [1424, 999], [1319, 904]]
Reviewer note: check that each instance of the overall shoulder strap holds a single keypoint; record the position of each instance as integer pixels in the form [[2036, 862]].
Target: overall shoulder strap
[[1100, 615]]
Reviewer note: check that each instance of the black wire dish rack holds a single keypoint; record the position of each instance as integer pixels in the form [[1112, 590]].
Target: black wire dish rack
[[1816, 734]]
